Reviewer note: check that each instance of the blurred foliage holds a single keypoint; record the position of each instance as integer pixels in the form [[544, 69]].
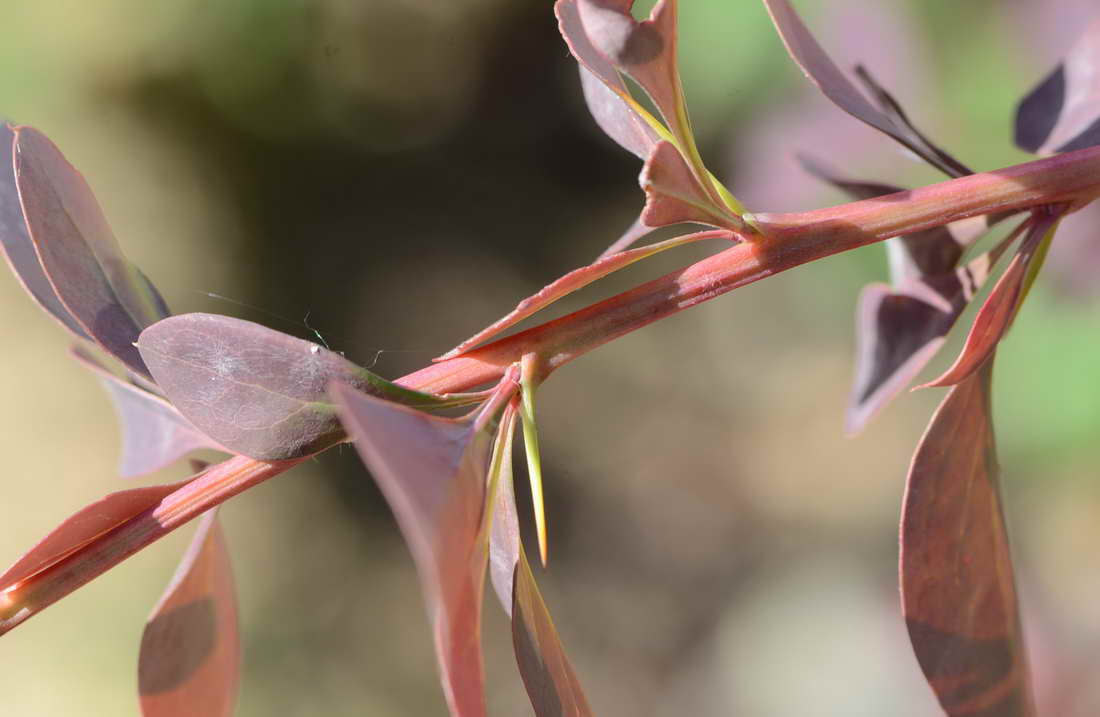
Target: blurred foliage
[[396, 174]]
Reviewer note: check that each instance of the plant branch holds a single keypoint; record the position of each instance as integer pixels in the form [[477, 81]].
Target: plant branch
[[785, 241], [214, 486]]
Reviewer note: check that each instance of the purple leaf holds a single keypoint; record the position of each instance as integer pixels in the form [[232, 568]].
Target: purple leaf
[[17, 245], [957, 585], [432, 471], [191, 649], [834, 84], [82, 527], [574, 280], [548, 675], [256, 391], [106, 294], [1063, 112], [154, 433], [615, 117], [1000, 308]]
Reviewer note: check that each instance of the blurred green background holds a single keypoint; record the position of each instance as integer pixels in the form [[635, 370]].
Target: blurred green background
[[396, 174]]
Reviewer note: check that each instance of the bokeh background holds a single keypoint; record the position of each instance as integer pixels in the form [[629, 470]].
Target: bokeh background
[[395, 174]]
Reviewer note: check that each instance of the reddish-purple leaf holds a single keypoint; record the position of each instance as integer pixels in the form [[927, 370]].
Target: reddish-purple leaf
[[548, 675], [191, 650], [154, 433], [615, 117], [432, 471], [644, 50], [84, 526], [1063, 112], [576, 37], [673, 194], [106, 294], [923, 146], [957, 585], [1000, 308], [17, 245], [834, 84], [256, 391], [574, 280]]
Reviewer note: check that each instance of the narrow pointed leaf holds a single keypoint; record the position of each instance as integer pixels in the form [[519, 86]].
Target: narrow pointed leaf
[[1063, 112], [15, 240], [154, 433], [189, 662], [957, 585], [834, 84], [432, 471], [548, 675], [256, 391], [106, 294], [84, 526], [673, 193], [574, 280], [995, 317]]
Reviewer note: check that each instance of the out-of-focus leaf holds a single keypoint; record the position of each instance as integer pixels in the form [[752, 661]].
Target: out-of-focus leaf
[[84, 526], [899, 330], [615, 117], [189, 662], [1063, 112], [106, 294], [548, 675], [995, 317], [673, 193], [154, 433], [256, 391], [834, 84], [432, 471], [957, 585], [927, 150], [16, 242], [574, 280]]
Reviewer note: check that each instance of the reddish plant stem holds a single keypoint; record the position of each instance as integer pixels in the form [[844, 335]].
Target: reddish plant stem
[[784, 241], [216, 485]]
